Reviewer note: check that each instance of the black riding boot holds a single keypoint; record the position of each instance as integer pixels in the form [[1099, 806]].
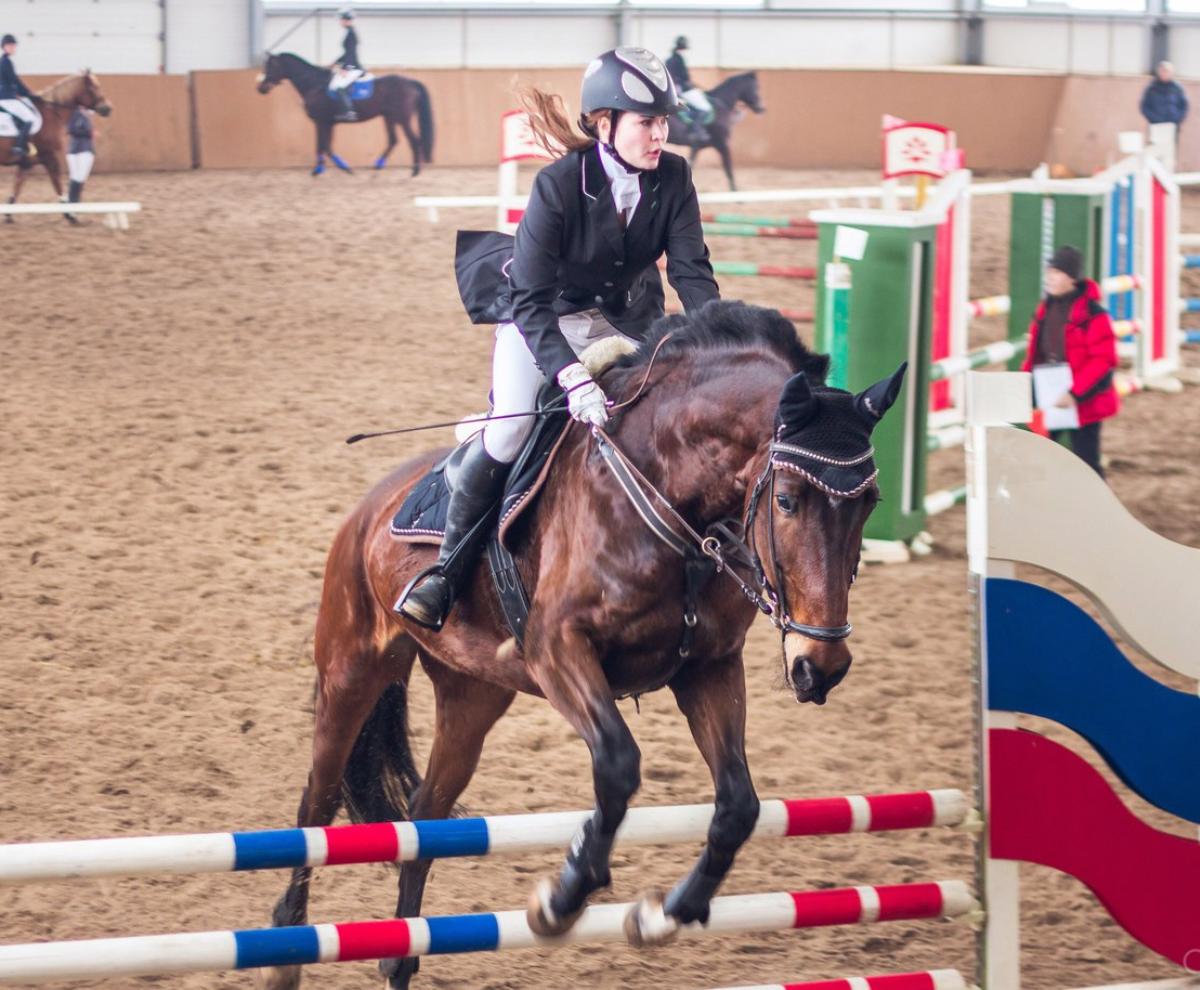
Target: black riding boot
[[347, 113], [480, 483], [73, 196], [20, 146]]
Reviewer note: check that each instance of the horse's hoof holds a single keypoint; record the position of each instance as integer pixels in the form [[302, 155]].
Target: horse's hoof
[[319, 170], [277, 978], [542, 918], [647, 924]]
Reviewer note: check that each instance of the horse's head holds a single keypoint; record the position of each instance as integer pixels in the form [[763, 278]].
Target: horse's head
[[812, 500], [272, 74], [90, 94], [749, 94]]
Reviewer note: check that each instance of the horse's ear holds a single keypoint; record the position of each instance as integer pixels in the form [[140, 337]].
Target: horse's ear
[[797, 404], [873, 402]]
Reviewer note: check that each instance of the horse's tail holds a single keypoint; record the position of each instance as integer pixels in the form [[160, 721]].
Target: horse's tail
[[381, 777], [425, 121]]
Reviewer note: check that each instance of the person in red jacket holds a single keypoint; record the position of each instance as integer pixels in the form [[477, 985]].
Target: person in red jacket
[[1071, 325]]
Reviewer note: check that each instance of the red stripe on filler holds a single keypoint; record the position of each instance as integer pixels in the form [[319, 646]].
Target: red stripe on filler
[[373, 940], [826, 907], [820, 816], [902, 981], [373, 843], [890, 811], [918, 900], [819, 985]]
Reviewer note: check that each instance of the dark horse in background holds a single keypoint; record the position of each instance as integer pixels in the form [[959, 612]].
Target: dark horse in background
[[395, 98], [55, 103], [608, 607], [726, 99]]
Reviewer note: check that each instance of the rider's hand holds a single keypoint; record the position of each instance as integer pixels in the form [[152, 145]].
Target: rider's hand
[[585, 399]]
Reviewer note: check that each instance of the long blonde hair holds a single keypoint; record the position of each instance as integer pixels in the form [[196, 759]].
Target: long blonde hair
[[548, 121]]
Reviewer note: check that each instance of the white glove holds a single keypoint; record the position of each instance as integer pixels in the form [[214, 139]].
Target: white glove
[[585, 399]]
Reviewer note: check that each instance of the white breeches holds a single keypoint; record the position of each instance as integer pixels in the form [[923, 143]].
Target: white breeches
[[19, 109], [344, 77], [79, 165], [516, 378], [698, 99]]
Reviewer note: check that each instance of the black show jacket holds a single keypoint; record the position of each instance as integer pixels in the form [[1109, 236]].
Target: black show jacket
[[571, 253]]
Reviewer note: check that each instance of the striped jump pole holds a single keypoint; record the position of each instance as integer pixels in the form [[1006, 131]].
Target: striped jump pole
[[751, 230], [1001, 350], [933, 979], [763, 271], [394, 842], [1189, 305], [1191, 336], [741, 218], [1190, 260], [453, 934]]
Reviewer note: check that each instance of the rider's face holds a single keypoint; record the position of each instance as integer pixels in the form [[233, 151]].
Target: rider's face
[[639, 139], [10, 49]]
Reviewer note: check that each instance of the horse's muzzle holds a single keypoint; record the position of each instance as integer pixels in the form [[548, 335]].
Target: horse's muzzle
[[814, 669], [265, 86], [104, 109]]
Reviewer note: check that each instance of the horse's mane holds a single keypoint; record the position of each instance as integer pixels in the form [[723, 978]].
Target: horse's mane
[[722, 325]]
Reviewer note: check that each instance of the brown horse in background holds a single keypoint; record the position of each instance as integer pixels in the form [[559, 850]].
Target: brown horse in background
[[55, 103], [608, 609]]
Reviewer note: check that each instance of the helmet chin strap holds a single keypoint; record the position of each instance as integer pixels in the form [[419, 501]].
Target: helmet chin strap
[[613, 117]]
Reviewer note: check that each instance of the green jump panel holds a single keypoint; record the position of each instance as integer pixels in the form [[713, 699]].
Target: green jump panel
[[868, 331]]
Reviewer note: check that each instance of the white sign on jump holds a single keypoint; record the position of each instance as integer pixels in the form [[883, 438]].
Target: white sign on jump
[[517, 142], [911, 148]]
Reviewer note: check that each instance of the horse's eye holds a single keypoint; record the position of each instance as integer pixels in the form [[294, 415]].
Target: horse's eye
[[787, 504]]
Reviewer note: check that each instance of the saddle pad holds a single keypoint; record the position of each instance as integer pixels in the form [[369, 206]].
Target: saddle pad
[[8, 125], [422, 516]]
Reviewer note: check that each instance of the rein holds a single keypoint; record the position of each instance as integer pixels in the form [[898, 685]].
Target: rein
[[643, 494]]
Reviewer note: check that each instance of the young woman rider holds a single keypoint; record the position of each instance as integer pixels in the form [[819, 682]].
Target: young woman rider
[[583, 268]]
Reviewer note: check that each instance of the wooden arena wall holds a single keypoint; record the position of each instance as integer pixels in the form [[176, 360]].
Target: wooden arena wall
[[150, 128], [1005, 120]]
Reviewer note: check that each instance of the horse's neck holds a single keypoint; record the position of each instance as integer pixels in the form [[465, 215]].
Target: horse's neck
[[727, 91], [64, 92], [305, 76]]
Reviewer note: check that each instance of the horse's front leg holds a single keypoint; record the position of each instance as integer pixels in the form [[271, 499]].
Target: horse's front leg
[[324, 135], [568, 671], [726, 161], [713, 697]]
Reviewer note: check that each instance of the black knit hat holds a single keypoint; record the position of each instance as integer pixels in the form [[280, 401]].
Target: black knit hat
[[1067, 260]]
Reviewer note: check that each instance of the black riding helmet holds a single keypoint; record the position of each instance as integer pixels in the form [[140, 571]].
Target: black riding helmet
[[632, 79], [8, 39], [345, 14], [681, 43]]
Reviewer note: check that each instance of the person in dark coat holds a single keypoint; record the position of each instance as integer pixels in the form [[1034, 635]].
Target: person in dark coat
[[1164, 101], [346, 69], [13, 93], [1071, 326], [81, 154], [583, 268], [700, 108]]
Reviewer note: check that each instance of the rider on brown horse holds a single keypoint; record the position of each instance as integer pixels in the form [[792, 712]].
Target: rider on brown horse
[[13, 92], [583, 269]]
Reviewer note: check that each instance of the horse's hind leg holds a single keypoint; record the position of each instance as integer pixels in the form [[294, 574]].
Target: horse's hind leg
[[389, 126], [467, 708], [413, 143], [352, 678]]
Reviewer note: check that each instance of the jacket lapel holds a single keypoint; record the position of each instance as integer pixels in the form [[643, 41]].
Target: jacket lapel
[[602, 212], [648, 204]]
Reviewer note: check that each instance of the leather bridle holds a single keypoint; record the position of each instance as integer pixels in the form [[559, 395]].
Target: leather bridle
[[721, 541]]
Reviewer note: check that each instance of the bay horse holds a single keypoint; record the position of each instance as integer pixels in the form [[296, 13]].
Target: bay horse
[[724, 428], [395, 98], [55, 103], [734, 92]]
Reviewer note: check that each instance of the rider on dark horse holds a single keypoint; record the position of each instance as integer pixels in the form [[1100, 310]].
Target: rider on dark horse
[[699, 108], [346, 69], [583, 269], [13, 93]]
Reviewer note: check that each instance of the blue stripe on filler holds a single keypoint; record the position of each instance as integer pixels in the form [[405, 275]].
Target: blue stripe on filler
[[463, 933], [1048, 657], [442, 838], [269, 850], [277, 946]]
